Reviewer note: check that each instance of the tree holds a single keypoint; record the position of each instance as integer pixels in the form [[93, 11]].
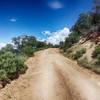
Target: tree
[[95, 16], [24, 40], [81, 26], [83, 23], [28, 51], [61, 45], [40, 44], [25, 44], [96, 6], [9, 47]]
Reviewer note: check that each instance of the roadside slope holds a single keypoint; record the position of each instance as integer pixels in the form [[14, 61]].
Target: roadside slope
[[51, 76]]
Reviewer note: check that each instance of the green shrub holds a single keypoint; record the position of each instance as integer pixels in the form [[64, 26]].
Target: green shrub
[[3, 75], [11, 66], [79, 53], [83, 50], [84, 62], [28, 51], [96, 69], [68, 51], [96, 52], [98, 59]]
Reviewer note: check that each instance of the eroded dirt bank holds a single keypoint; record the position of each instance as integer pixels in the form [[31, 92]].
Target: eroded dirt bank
[[51, 76]]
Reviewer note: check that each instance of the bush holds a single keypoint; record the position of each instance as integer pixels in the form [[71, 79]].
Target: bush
[[84, 62], [3, 75], [79, 53], [96, 52], [96, 69], [11, 66], [98, 59], [28, 51], [68, 51], [83, 50]]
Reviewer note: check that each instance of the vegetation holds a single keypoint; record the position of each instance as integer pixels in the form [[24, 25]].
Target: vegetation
[[95, 16], [84, 62], [10, 67], [98, 60], [79, 53], [27, 45], [83, 25], [13, 56], [87, 22], [96, 69], [96, 55], [96, 52], [94, 66], [68, 51]]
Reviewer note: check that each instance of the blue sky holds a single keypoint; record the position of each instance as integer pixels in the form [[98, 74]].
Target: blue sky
[[34, 17]]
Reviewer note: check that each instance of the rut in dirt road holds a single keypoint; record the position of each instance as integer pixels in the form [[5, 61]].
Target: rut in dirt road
[[51, 76]]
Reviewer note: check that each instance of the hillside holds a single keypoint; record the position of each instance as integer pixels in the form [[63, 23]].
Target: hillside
[[86, 51], [83, 43]]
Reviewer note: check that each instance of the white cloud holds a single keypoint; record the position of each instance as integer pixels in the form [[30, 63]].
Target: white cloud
[[13, 19], [47, 32], [58, 36], [2, 45], [55, 5]]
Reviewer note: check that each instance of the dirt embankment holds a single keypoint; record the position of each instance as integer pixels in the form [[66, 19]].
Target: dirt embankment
[[51, 76]]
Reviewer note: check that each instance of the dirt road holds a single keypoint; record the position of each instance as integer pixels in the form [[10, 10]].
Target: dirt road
[[51, 76]]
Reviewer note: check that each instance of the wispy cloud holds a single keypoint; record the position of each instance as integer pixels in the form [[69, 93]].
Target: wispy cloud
[[55, 5], [13, 20]]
